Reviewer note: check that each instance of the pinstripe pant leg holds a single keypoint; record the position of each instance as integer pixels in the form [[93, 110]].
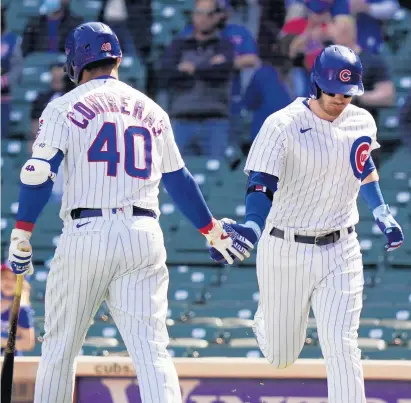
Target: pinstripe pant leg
[[337, 303], [138, 303], [76, 286], [285, 284]]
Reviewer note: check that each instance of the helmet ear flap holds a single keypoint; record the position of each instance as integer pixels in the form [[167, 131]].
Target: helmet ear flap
[[315, 89]]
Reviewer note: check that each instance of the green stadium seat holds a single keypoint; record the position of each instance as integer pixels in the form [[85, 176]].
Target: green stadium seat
[[186, 293], [177, 309], [38, 308], [388, 124], [311, 352], [43, 59], [183, 274], [101, 329], [244, 310], [177, 351], [88, 9], [394, 278], [394, 296], [400, 259], [226, 351], [188, 330], [234, 293], [391, 353], [387, 312]]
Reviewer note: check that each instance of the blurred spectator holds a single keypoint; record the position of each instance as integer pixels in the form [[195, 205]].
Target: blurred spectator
[[48, 31], [59, 85], [265, 95], [405, 121], [306, 32], [199, 69], [246, 57], [370, 16], [11, 67], [378, 86], [25, 338], [272, 17], [131, 20]]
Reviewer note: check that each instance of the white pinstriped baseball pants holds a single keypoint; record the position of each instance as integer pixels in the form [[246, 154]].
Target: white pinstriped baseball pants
[[291, 276], [120, 260]]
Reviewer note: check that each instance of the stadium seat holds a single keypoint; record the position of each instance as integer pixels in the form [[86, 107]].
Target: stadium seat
[[184, 274], [187, 330], [188, 342], [186, 293], [245, 310], [391, 353], [227, 351]]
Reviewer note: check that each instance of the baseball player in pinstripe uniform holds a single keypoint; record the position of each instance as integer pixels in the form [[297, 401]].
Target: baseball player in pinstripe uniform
[[117, 144], [306, 167]]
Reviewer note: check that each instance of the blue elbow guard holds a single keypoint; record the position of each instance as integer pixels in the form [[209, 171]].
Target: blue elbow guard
[[260, 193]]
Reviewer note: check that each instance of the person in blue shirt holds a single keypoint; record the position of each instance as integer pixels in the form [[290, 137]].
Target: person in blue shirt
[[246, 56], [25, 328], [265, 95], [370, 16]]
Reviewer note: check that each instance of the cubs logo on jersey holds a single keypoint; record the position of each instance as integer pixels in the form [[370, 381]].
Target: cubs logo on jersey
[[360, 151]]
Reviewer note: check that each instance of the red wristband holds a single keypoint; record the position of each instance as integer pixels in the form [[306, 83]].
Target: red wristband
[[24, 225], [205, 230]]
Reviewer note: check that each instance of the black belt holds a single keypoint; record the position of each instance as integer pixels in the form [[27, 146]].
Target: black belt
[[313, 240], [96, 212]]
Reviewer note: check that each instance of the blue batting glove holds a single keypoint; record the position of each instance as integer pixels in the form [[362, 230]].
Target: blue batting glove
[[244, 236], [389, 227]]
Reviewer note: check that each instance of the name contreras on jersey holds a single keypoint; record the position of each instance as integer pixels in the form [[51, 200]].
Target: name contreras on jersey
[[92, 105]]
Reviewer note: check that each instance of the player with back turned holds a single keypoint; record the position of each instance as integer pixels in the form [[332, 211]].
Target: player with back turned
[[116, 144], [306, 167]]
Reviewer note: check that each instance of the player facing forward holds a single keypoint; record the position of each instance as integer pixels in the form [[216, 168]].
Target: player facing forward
[[117, 144], [306, 167]]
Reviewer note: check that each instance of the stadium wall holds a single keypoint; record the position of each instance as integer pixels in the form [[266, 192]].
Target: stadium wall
[[221, 380]]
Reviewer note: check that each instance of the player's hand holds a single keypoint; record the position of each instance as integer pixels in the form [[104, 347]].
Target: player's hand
[[20, 252], [389, 227], [241, 234], [224, 243]]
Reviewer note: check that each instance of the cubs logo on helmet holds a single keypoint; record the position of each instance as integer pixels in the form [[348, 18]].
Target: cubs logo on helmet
[[345, 75], [360, 151]]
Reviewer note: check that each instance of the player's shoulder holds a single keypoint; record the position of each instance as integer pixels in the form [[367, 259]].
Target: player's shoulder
[[286, 117], [59, 106], [360, 114]]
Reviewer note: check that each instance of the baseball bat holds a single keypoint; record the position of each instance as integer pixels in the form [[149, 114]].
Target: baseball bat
[[8, 360]]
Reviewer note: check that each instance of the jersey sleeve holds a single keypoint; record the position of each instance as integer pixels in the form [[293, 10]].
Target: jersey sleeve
[[374, 143], [53, 129], [172, 160], [26, 317], [267, 154]]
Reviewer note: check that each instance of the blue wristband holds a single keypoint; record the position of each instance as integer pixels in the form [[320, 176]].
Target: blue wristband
[[371, 193]]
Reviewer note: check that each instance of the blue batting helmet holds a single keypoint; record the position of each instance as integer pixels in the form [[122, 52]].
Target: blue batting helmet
[[89, 43], [338, 70]]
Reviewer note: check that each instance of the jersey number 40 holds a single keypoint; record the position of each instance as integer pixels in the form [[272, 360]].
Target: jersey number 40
[[104, 149]]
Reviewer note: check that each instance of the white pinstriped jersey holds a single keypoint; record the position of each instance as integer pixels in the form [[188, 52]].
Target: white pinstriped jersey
[[117, 143], [318, 163]]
